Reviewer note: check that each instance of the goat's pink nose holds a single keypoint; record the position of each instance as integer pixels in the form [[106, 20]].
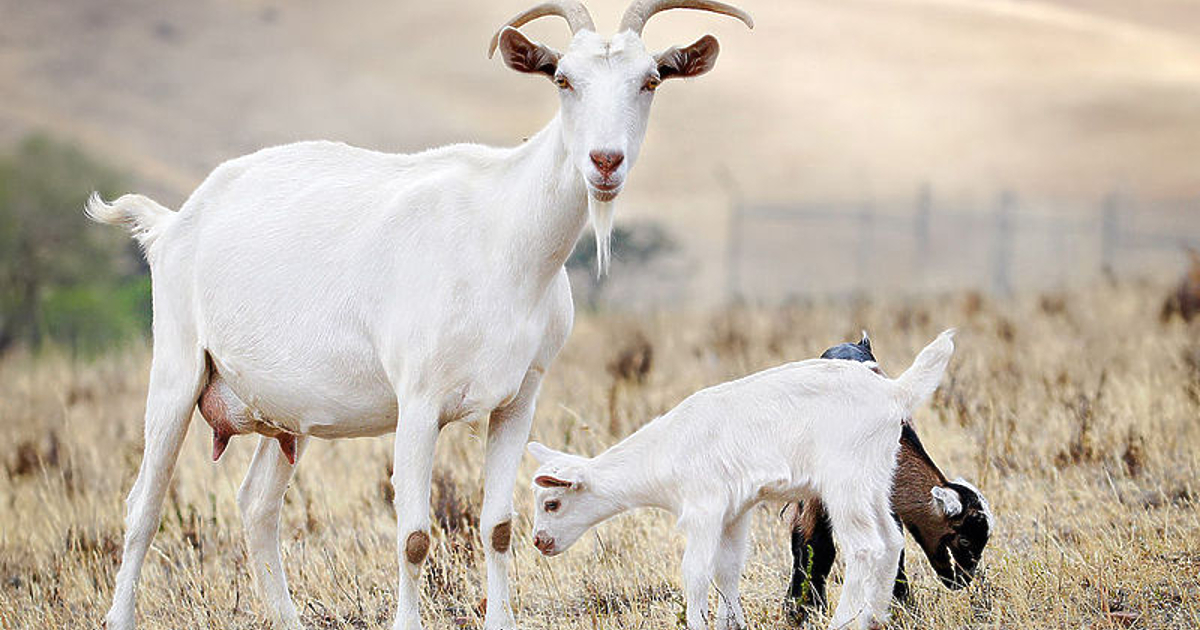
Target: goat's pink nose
[[544, 543], [607, 162]]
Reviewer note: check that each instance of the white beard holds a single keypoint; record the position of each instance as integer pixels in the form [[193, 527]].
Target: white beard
[[601, 214]]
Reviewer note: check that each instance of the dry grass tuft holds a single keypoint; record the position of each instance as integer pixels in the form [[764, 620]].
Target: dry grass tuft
[[1184, 301], [1077, 413]]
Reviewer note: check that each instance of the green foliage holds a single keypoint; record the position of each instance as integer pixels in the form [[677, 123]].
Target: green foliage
[[92, 317], [61, 278]]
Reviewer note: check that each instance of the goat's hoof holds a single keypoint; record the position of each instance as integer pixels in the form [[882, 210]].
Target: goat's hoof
[[501, 622], [117, 621], [292, 623]]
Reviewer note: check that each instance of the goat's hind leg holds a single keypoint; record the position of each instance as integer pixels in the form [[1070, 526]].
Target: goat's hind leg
[[893, 583], [731, 557], [176, 375], [871, 544], [260, 500], [704, 535]]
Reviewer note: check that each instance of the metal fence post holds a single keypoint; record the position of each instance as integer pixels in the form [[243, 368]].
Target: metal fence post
[[866, 231], [1002, 252], [921, 230], [1110, 233], [733, 252]]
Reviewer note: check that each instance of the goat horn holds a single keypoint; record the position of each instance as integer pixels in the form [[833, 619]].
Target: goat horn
[[641, 10], [572, 11]]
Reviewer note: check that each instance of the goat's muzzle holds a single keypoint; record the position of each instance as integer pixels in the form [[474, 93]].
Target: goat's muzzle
[[959, 572], [607, 162], [544, 544]]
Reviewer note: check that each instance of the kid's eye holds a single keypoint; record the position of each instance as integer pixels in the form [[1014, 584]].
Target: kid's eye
[[652, 84], [551, 506], [562, 82]]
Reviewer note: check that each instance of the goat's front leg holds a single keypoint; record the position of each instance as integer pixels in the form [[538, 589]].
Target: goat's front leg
[[900, 588], [731, 556], [416, 439], [260, 500], [508, 431], [703, 541], [813, 553]]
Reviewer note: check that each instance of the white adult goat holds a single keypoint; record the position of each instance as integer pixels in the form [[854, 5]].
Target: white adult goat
[[320, 290], [813, 429]]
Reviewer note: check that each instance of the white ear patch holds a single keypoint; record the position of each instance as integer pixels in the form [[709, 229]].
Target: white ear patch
[[947, 501]]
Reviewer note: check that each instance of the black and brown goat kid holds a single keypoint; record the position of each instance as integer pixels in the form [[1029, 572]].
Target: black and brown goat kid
[[950, 520]]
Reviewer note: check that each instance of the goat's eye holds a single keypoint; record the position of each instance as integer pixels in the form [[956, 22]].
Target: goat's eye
[[562, 82], [551, 506], [652, 84]]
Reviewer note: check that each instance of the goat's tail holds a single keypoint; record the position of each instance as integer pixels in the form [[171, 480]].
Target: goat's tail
[[141, 215], [918, 382]]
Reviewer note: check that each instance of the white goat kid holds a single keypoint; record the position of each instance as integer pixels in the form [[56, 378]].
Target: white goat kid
[[813, 429], [321, 290]]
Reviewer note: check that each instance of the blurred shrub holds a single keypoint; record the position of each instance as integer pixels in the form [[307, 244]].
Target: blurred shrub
[[636, 246], [61, 278], [90, 318]]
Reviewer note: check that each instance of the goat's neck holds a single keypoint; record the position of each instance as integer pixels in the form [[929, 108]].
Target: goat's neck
[[635, 473], [916, 475], [546, 206]]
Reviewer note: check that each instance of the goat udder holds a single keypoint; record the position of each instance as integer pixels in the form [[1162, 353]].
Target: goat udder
[[287, 444], [216, 414], [220, 441]]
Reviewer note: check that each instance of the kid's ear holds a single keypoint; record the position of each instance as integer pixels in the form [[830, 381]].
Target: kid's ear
[[551, 481], [541, 452]]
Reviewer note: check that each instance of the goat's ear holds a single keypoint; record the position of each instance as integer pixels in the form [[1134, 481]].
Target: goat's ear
[[541, 452], [524, 55], [866, 341], [691, 61], [550, 481], [947, 501]]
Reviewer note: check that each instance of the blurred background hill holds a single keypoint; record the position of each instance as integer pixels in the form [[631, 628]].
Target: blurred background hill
[[857, 145]]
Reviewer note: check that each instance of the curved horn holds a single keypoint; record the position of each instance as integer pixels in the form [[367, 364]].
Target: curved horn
[[641, 10], [572, 11]]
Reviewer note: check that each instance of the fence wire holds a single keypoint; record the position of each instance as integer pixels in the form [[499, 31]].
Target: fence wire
[[776, 251]]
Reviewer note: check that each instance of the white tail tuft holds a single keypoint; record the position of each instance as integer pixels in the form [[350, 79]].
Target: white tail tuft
[[919, 381], [145, 218]]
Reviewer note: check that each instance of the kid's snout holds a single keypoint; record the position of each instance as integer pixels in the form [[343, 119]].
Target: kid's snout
[[544, 543]]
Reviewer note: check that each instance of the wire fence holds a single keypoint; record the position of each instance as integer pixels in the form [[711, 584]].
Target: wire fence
[[778, 251]]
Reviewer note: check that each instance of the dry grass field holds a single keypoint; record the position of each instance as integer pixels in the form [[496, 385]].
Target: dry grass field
[[1077, 414]]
